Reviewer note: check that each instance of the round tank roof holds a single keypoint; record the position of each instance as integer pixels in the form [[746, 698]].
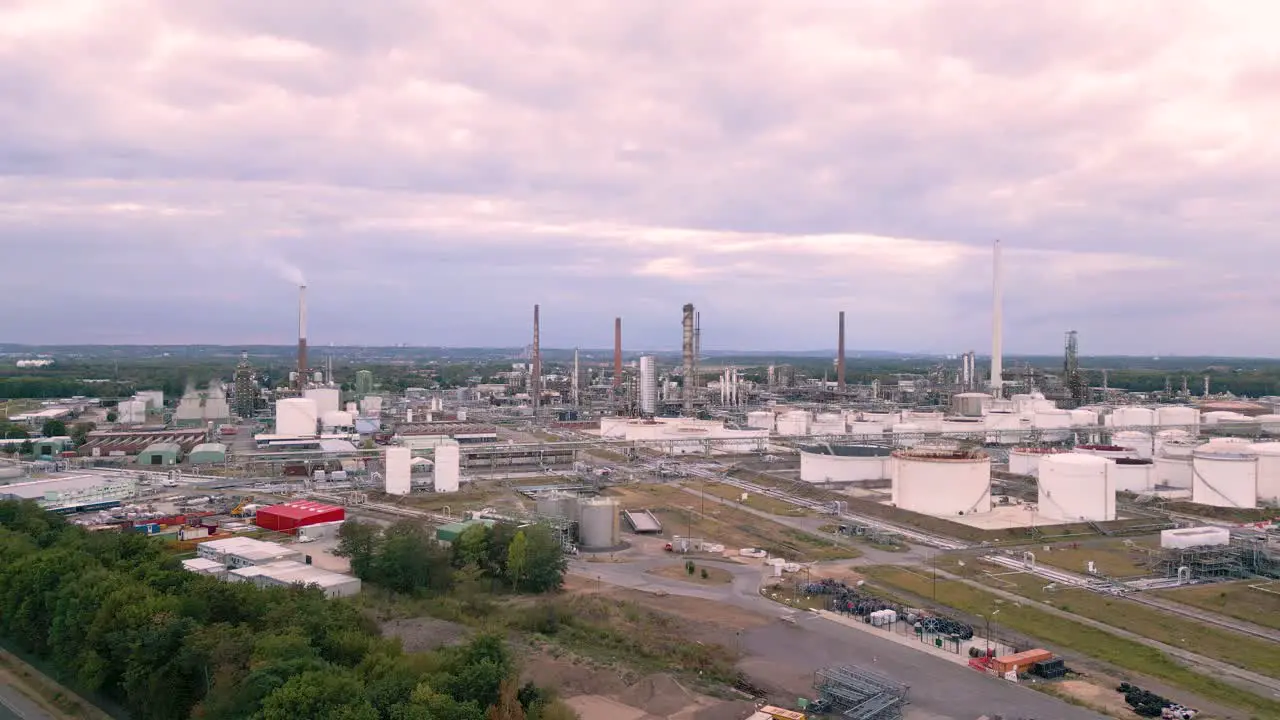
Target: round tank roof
[[1226, 450], [1038, 451], [1078, 459], [941, 455], [1131, 461], [848, 450], [1105, 448], [1266, 448]]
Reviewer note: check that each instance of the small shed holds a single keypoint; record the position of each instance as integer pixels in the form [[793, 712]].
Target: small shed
[[161, 453], [450, 533], [48, 447], [207, 454]]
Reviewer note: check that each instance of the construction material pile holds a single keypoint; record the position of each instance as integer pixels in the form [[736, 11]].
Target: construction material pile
[[860, 603], [1149, 704]]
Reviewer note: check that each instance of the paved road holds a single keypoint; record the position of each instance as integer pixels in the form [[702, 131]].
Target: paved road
[[16, 706], [787, 654]]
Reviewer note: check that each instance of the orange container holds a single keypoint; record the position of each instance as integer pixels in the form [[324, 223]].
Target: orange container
[[1021, 661]]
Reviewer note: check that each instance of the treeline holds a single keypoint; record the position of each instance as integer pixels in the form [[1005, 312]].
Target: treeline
[[406, 558], [115, 615]]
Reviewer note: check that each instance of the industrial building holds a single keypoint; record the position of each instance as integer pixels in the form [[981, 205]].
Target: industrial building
[[199, 409], [286, 573], [73, 493], [207, 454], [161, 453], [102, 443], [238, 552], [288, 517]]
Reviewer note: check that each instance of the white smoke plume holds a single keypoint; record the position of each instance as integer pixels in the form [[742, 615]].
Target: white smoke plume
[[288, 272]]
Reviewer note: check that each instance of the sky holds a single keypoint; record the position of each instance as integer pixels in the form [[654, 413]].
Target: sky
[[433, 169]]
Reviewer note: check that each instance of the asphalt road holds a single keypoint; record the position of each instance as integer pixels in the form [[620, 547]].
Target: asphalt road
[[785, 655], [15, 706]]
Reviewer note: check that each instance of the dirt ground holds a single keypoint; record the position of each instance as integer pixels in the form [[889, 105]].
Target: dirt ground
[[425, 634], [1096, 696], [715, 575]]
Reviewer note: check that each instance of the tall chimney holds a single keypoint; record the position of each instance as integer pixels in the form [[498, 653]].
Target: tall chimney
[[840, 356], [687, 346], [697, 349], [577, 378], [617, 353], [997, 325], [535, 377], [302, 336]]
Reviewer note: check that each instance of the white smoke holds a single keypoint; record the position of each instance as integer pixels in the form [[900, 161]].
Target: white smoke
[[288, 272]]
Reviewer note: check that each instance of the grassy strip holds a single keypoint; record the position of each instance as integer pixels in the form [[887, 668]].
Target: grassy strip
[[1066, 633], [1243, 651], [1235, 600]]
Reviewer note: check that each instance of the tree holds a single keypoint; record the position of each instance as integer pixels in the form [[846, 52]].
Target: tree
[[545, 563], [473, 547], [517, 559], [26, 448], [358, 542], [409, 559], [53, 428], [331, 694], [112, 417], [80, 432], [13, 431]]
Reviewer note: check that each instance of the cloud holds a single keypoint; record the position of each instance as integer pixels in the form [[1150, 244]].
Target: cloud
[[772, 162]]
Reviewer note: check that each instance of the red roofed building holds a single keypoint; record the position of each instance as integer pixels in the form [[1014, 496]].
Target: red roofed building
[[290, 516]]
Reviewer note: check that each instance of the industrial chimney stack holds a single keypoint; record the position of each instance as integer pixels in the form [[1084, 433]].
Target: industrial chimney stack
[[302, 336], [535, 376], [688, 359], [997, 325], [617, 354], [840, 356]]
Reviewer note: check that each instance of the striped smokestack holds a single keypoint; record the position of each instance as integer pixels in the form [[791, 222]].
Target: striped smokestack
[[617, 353], [840, 356], [535, 379], [302, 335]]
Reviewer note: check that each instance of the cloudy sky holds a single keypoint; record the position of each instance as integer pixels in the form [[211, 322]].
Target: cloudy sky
[[436, 168]]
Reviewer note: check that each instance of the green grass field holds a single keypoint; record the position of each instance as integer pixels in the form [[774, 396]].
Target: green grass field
[[1112, 559], [1234, 599], [1069, 634]]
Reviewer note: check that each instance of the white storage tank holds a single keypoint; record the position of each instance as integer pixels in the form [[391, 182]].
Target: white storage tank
[[1225, 474], [598, 527], [966, 425], [1173, 472], [833, 463], [1218, 417], [131, 412], [1023, 403], [1076, 487], [1129, 416], [1026, 460], [884, 418], [371, 406], [1004, 427], [793, 423], [1133, 476], [972, 404], [1178, 439], [1268, 472], [944, 483], [296, 417], [1177, 416], [1269, 424], [1083, 417], [353, 408], [327, 399], [1109, 452], [1054, 425], [930, 421], [396, 466], [760, 419], [827, 424], [447, 467], [906, 434], [1141, 443], [865, 429]]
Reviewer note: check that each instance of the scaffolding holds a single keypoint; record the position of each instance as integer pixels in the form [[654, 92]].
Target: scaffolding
[[860, 694], [1207, 563]]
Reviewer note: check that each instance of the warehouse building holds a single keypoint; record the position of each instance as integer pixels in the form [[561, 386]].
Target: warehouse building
[[290, 516], [287, 573], [241, 552], [207, 454], [161, 453], [102, 443]]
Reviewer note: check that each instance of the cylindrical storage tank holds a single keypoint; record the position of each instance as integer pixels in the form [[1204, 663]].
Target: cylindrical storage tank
[[1225, 474], [1130, 416], [327, 399], [1268, 424], [884, 418], [598, 527], [1177, 416], [1076, 487], [1222, 422], [904, 432], [793, 423], [970, 404], [1054, 425], [1268, 472], [1214, 417], [1004, 427], [868, 430], [930, 421], [559, 505], [1142, 444], [296, 417], [336, 420], [1177, 438], [1080, 417], [941, 482], [1133, 476], [1022, 403], [371, 406], [957, 425], [760, 420], [827, 424], [1110, 452], [832, 463], [1026, 460], [1172, 472]]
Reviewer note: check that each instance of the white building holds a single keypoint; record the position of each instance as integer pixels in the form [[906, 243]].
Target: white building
[[648, 385], [286, 573], [239, 552]]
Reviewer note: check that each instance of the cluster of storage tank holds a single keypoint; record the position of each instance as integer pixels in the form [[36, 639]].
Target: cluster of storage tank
[[598, 519]]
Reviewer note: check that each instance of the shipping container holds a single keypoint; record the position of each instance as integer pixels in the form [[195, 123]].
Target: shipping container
[[193, 533], [1022, 661]]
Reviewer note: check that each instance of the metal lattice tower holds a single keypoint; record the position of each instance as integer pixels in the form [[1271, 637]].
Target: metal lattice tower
[[1071, 369]]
